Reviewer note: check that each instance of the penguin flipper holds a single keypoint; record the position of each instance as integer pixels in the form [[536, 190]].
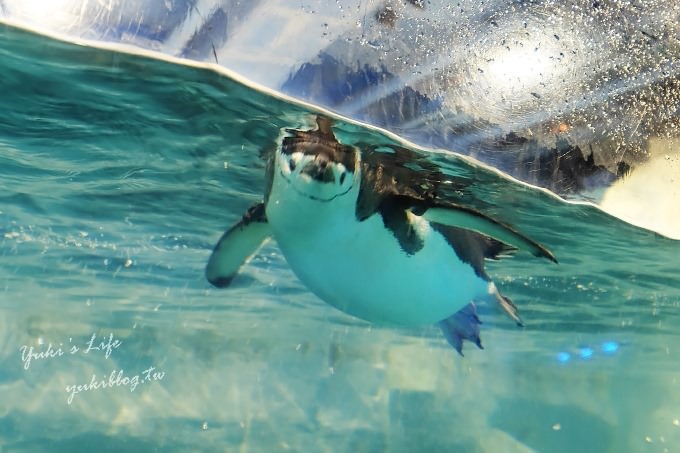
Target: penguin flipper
[[237, 245], [455, 215]]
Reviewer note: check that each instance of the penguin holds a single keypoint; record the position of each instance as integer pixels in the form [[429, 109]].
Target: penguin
[[366, 230]]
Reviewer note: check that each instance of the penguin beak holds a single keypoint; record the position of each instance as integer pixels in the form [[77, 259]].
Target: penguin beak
[[319, 170]]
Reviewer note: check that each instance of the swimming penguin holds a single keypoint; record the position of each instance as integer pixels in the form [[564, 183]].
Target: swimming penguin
[[368, 234]]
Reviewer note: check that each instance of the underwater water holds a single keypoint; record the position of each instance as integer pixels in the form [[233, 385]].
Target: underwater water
[[119, 172]]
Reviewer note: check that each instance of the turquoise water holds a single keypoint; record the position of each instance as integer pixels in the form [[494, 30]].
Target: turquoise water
[[117, 175]]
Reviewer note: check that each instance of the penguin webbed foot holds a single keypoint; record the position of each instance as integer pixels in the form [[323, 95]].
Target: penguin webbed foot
[[462, 325]]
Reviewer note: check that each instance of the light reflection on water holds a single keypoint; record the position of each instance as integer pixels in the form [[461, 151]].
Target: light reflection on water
[[568, 95]]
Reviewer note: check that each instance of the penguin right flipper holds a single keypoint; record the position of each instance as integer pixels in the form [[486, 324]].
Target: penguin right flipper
[[452, 214], [237, 245]]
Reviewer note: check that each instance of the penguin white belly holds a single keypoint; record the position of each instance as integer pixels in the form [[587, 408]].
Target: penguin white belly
[[360, 268]]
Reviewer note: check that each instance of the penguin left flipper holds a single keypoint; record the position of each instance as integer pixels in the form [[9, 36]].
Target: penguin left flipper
[[237, 245], [451, 214]]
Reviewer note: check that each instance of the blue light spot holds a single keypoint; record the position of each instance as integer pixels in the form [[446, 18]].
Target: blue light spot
[[610, 347], [563, 357], [586, 353]]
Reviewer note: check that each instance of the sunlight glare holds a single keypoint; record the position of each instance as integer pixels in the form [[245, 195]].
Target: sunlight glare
[[44, 13], [519, 69]]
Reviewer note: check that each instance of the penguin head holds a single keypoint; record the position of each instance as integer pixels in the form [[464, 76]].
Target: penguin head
[[316, 165]]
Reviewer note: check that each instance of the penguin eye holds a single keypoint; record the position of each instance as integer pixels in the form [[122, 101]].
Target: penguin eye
[[342, 177]]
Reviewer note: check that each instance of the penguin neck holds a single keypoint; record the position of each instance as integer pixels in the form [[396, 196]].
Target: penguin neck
[[290, 210]]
